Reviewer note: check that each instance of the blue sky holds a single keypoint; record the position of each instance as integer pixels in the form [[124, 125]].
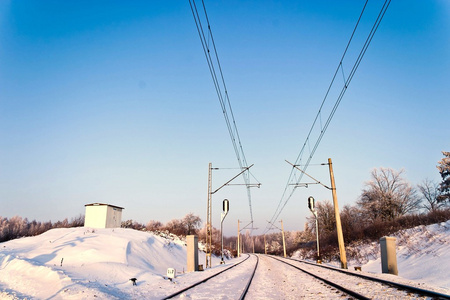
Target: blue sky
[[107, 101]]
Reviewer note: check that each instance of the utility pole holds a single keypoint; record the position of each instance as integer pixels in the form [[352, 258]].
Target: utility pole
[[282, 235], [343, 256], [311, 206], [226, 208], [209, 210], [284, 241], [208, 220], [265, 247], [238, 246], [336, 210]]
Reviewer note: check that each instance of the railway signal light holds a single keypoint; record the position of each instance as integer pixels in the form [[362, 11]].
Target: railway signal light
[[314, 211], [226, 208], [311, 203]]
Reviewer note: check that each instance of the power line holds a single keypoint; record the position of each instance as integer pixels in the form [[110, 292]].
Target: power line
[[323, 128], [222, 92]]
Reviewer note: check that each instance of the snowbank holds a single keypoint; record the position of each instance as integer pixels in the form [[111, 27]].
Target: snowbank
[[422, 255], [78, 262]]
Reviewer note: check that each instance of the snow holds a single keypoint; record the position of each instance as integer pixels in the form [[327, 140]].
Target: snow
[[422, 254], [82, 263], [73, 261]]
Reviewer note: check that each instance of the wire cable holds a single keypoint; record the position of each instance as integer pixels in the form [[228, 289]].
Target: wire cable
[[222, 92], [323, 128]]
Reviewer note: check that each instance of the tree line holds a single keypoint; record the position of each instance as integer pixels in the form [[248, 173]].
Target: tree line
[[388, 203], [388, 196], [189, 224], [17, 227]]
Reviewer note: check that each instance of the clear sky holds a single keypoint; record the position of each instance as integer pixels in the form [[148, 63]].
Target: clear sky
[[112, 101]]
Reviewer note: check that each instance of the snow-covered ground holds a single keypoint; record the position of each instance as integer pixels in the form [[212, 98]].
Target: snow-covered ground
[[81, 263], [422, 255], [77, 263]]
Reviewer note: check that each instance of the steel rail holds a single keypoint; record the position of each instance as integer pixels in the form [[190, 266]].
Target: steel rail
[[244, 293], [401, 286], [330, 283], [212, 276]]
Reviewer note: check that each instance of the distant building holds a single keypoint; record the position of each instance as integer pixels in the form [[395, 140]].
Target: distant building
[[99, 215]]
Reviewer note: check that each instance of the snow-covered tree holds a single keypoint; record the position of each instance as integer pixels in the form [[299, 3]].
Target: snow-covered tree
[[274, 246], [444, 170], [388, 196]]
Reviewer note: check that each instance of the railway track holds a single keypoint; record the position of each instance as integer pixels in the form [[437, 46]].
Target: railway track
[[339, 279], [224, 281], [268, 277]]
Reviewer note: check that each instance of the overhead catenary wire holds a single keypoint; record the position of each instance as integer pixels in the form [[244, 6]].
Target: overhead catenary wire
[[221, 91], [287, 194]]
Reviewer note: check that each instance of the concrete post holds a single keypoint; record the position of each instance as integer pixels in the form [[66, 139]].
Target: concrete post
[[388, 255], [192, 253], [340, 235], [238, 246], [284, 241]]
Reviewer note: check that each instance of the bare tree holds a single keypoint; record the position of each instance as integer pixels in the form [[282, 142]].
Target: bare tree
[[77, 221], [430, 193], [305, 236], [16, 227], [175, 226], [154, 225], [127, 224], [191, 223], [325, 216], [444, 170], [388, 196], [353, 220], [62, 224]]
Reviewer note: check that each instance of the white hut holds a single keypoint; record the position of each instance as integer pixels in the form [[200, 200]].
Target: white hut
[[99, 215]]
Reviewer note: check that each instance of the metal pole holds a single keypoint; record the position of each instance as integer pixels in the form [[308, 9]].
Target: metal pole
[[226, 207], [265, 247], [221, 243], [343, 256], [208, 220], [317, 237], [282, 234], [238, 246], [232, 179]]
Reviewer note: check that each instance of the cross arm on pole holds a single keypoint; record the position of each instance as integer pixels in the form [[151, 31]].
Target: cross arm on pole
[[273, 225], [245, 169], [295, 166], [246, 226]]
